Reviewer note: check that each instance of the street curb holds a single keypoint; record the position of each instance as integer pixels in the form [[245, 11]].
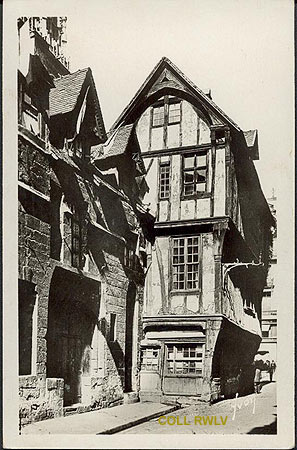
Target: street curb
[[135, 422]]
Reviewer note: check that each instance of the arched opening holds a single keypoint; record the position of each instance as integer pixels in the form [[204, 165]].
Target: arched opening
[[72, 318]]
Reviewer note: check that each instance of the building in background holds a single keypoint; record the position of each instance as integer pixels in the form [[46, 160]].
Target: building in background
[[268, 348], [208, 264], [82, 236]]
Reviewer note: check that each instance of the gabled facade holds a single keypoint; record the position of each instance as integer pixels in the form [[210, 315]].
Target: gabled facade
[[81, 239], [207, 266]]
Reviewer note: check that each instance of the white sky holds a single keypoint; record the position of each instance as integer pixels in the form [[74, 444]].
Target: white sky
[[242, 50]]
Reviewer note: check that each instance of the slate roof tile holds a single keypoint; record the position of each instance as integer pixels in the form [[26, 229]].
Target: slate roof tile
[[118, 144], [63, 97]]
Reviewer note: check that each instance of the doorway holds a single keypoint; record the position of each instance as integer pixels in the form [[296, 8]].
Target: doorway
[[130, 337], [72, 318]]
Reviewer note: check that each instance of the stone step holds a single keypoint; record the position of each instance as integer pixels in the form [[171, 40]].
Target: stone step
[[131, 397], [75, 409]]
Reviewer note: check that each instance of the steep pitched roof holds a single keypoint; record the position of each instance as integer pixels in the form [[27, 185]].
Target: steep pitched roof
[[63, 97], [68, 94], [118, 143], [165, 63]]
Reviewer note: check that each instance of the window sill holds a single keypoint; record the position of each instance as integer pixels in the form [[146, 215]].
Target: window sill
[[185, 292], [183, 375], [196, 196]]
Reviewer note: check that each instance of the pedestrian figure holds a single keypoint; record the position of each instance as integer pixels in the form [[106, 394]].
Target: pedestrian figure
[[257, 380], [272, 369]]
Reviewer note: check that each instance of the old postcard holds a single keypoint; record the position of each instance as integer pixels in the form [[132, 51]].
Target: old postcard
[[148, 224]]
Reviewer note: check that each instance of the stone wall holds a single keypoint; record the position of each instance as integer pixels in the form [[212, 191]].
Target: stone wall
[[41, 396]]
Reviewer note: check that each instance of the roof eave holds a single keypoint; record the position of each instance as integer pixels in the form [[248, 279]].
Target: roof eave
[[195, 90]]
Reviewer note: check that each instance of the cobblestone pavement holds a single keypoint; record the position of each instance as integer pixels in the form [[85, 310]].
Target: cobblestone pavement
[[252, 414]]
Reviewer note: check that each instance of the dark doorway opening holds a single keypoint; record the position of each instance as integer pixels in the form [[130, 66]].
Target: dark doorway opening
[[27, 298], [130, 317], [73, 313]]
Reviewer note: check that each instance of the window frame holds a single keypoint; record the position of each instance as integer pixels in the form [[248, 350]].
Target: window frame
[[165, 102], [198, 373], [144, 367], [195, 169], [74, 239], [185, 264], [160, 185], [130, 258], [154, 108]]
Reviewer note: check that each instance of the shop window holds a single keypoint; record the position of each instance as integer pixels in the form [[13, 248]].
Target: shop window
[[150, 359], [184, 359], [164, 179], [185, 263], [194, 173]]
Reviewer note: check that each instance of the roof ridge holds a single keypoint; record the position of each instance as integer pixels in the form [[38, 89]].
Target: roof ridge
[[166, 60], [72, 73]]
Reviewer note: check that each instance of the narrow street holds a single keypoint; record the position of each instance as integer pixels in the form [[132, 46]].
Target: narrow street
[[252, 414]]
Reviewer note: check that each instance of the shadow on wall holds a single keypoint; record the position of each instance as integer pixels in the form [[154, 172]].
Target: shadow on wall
[[232, 364], [114, 348], [255, 214]]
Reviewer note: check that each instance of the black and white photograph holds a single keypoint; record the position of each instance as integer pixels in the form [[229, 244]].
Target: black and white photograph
[[148, 224]]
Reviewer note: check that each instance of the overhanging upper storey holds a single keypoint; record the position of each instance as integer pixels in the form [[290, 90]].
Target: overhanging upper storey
[[198, 162]]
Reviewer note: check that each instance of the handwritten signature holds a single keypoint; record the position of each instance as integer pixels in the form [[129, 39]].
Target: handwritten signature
[[238, 404]]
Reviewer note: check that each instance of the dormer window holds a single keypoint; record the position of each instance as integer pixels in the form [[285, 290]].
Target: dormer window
[[78, 148]]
